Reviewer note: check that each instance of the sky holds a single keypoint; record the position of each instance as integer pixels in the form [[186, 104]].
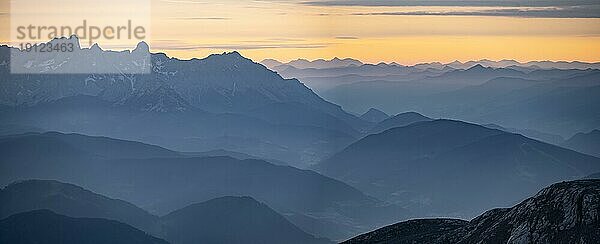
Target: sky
[[402, 31]]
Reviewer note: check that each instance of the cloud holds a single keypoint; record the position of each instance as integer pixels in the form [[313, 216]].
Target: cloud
[[269, 41], [346, 37], [454, 3], [180, 46], [184, 2], [202, 18], [554, 12]]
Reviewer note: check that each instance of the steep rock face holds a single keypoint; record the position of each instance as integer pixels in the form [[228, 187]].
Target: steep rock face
[[566, 212]]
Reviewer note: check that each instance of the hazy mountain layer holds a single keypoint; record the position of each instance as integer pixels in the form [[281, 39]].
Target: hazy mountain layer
[[374, 115], [166, 183], [444, 167], [222, 220], [588, 143], [520, 96], [72, 201]]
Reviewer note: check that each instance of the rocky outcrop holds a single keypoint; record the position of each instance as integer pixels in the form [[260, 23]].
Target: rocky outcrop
[[567, 212]]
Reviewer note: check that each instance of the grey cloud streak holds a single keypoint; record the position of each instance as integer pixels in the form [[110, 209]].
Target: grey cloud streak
[[566, 12], [240, 47], [455, 3]]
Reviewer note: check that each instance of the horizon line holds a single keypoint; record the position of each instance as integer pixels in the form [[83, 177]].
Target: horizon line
[[327, 59]]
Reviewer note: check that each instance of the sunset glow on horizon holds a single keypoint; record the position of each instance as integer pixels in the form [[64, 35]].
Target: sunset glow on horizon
[[288, 30]]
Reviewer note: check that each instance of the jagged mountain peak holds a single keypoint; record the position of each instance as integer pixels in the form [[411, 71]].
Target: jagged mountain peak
[[374, 115], [142, 47], [477, 67], [234, 55], [71, 39]]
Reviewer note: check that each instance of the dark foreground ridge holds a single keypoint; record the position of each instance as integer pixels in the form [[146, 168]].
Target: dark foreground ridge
[[45, 227], [566, 212]]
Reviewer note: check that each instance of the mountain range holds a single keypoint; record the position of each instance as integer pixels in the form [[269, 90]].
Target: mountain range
[[562, 213], [315, 64], [225, 150], [515, 95], [323, 64], [164, 180], [224, 101], [220, 220]]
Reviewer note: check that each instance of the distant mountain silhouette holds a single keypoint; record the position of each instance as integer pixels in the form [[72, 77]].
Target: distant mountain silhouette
[[444, 167], [526, 104], [46, 227], [398, 120], [226, 153], [477, 74], [562, 213], [374, 115], [593, 176], [410, 88], [588, 143], [315, 64], [232, 220], [513, 99], [270, 63], [545, 137], [513, 63], [524, 99]]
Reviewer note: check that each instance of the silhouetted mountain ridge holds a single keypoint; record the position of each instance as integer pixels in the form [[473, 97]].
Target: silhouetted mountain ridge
[[588, 143]]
